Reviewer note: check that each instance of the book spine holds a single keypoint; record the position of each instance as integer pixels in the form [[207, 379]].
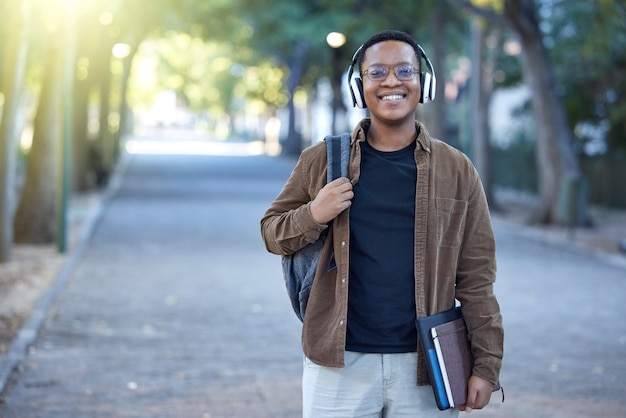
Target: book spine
[[440, 391], [442, 367]]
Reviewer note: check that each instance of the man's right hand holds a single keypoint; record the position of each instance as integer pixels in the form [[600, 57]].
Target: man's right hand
[[331, 200]]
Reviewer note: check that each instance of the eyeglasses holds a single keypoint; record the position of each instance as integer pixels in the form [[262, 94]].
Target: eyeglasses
[[380, 72]]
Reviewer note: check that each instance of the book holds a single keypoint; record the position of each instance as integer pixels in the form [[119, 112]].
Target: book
[[445, 335], [439, 386], [433, 369], [455, 359]]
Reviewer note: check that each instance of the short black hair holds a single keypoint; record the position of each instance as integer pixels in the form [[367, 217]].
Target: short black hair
[[388, 35]]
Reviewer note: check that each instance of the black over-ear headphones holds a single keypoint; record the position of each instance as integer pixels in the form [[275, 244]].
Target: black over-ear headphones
[[428, 81]]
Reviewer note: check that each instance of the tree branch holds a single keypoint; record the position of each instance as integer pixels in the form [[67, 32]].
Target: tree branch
[[488, 14], [521, 14]]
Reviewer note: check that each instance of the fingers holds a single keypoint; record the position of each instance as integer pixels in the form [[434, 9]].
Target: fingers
[[471, 401], [342, 183], [333, 198], [340, 188], [478, 394], [343, 193]]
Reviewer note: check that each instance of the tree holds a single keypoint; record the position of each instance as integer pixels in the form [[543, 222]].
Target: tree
[[294, 34], [556, 160], [276, 36], [590, 37], [35, 219], [83, 85], [41, 212], [439, 23], [108, 23], [481, 84], [14, 63]]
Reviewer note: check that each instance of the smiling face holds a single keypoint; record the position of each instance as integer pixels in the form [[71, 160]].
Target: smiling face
[[391, 101]]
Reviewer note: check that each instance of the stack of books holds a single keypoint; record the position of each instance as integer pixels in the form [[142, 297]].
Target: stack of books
[[448, 355]]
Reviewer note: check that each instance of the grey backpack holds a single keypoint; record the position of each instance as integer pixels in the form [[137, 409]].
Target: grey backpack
[[299, 268]]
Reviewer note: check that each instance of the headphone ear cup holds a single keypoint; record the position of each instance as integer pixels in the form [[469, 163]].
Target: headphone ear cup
[[425, 84], [433, 87], [356, 89]]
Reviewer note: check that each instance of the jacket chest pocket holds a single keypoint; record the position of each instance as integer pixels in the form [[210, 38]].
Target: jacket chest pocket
[[450, 222]]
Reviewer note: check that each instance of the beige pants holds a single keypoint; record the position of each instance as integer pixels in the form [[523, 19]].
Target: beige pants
[[370, 385]]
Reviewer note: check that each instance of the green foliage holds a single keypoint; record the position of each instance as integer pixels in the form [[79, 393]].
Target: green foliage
[[244, 38], [588, 47], [508, 70], [515, 166]]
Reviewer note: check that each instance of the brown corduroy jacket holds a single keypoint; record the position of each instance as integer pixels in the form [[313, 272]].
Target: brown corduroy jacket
[[454, 249]]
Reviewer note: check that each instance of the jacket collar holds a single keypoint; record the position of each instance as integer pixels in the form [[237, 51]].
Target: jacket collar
[[423, 139]]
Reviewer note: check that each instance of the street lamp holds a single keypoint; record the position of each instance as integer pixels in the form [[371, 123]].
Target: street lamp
[[336, 40]]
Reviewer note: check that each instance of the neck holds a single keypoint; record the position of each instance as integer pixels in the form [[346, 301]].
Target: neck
[[391, 138]]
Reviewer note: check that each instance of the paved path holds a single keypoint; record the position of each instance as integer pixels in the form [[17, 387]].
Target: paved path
[[565, 340], [176, 310]]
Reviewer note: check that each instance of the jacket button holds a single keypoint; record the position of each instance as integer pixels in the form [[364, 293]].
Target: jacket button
[[343, 243]]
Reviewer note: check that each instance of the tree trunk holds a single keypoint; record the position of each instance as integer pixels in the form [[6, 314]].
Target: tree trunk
[[338, 123], [102, 152], [480, 93], [555, 155], [105, 136], [297, 63], [437, 126], [80, 152], [35, 220], [125, 111], [98, 51], [14, 68], [88, 48]]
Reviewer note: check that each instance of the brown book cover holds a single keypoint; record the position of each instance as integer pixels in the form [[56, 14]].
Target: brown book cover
[[455, 358]]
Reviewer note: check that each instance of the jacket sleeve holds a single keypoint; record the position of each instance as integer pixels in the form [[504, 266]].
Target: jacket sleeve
[[288, 225], [476, 275]]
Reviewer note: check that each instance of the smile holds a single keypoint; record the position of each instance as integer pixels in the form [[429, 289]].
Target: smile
[[392, 97]]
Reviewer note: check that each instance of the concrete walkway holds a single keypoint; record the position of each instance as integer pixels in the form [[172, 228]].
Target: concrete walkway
[[174, 309]]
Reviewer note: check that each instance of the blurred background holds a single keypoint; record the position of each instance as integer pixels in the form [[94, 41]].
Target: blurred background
[[532, 91]]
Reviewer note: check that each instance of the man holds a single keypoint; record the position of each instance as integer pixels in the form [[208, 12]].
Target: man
[[408, 234]]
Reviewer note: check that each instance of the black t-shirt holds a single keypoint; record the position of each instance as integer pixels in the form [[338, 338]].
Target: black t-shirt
[[381, 301]]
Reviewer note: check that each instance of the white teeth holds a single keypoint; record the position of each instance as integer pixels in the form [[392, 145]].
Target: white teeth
[[393, 97]]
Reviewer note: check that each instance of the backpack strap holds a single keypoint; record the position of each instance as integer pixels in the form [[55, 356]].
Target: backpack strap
[[300, 267], [338, 155]]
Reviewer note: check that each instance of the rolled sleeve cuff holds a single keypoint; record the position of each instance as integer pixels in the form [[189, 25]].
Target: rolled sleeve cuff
[[488, 368], [310, 229]]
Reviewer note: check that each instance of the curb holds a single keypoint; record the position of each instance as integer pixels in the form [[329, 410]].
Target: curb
[[540, 236], [30, 329]]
